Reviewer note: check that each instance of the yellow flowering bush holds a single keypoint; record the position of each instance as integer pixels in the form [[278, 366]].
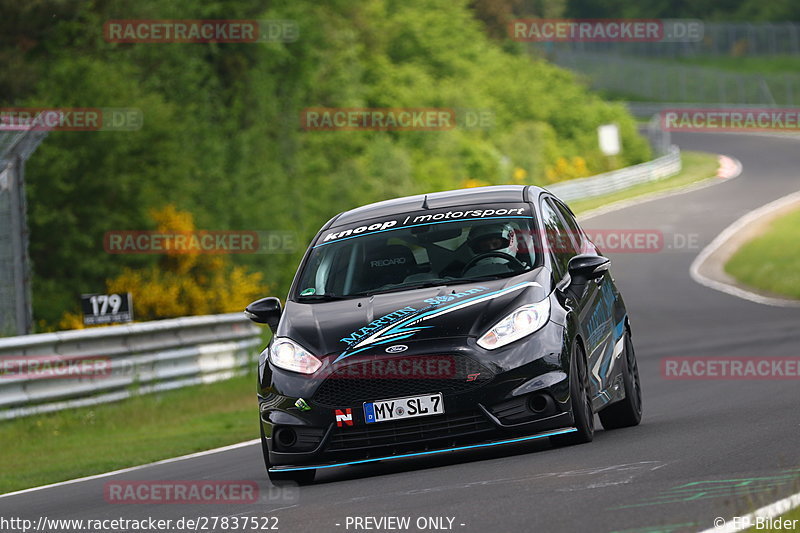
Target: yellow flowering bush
[[182, 284], [471, 182], [566, 169]]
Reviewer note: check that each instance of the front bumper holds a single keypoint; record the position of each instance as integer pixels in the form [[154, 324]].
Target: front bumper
[[522, 392], [537, 436]]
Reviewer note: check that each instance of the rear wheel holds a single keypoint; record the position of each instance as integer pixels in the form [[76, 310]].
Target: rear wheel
[[626, 412], [300, 477], [581, 402]]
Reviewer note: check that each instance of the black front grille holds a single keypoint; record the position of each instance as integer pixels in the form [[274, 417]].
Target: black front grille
[[408, 432], [342, 389]]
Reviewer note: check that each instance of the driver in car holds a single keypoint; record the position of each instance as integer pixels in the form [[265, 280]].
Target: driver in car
[[496, 239]]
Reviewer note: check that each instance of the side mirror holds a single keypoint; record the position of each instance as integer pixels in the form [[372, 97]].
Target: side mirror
[[588, 266], [265, 311]]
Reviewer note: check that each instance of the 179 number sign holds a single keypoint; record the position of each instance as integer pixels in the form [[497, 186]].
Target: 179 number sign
[[106, 308]]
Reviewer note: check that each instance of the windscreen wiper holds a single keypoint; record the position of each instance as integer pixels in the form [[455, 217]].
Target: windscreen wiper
[[490, 277], [320, 298], [421, 285]]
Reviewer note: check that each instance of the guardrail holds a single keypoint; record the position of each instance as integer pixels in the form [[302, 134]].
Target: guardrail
[[124, 360], [617, 180]]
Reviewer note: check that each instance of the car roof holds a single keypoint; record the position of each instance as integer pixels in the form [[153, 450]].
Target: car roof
[[439, 200]]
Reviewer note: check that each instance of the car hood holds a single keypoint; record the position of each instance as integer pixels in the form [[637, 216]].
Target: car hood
[[367, 325]]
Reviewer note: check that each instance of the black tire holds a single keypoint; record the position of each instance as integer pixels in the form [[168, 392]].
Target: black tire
[[298, 477], [581, 402], [626, 412]]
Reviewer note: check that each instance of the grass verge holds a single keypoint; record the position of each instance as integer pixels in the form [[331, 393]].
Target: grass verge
[[778, 64], [696, 167], [788, 522], [53, 447], [771, 261]]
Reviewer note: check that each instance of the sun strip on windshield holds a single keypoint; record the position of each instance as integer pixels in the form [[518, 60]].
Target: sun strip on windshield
[[417, 225]]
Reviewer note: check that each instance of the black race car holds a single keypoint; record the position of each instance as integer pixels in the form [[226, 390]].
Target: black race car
[[440, 322]]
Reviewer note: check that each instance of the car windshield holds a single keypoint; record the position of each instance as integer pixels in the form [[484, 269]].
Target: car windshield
[[345, 264]]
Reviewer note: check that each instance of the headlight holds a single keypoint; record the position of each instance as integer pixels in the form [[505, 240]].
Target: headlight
[[289, 355], [522, 322]]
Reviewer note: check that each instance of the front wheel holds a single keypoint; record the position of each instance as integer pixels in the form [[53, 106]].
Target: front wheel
[[626, 412], [581, 400], [299, 477]]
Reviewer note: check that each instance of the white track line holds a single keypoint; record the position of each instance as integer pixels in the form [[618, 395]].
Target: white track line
[[720, 241], [134, 468], [772, 510]]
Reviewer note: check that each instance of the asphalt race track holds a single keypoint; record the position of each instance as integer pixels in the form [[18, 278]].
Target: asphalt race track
[[704, 449]]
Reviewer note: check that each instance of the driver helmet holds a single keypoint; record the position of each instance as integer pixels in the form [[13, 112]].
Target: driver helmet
[[493, 238]]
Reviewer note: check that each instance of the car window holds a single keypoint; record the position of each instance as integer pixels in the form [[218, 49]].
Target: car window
[[455, 246], [560, 245], [571, 224]]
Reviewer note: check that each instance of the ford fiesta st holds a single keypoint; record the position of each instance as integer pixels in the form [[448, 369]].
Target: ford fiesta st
[[441, 322]]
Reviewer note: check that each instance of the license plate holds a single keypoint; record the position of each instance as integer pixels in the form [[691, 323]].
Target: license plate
[[399, 408]]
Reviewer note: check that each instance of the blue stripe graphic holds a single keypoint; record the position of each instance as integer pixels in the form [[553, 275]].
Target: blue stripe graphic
[[418, 454], [400, 327]]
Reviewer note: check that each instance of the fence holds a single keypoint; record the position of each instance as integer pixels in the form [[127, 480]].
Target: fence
[[648, 109], [660, 140], [636, 78], [15, 296], [719, 39], [139, 358]]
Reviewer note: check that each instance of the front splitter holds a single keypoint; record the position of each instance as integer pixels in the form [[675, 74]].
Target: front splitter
[[428, 452]]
